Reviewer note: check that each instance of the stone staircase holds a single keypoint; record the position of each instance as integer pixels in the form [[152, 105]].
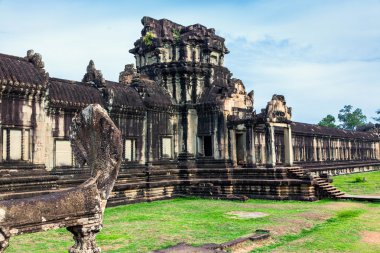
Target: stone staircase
[[322, 187]]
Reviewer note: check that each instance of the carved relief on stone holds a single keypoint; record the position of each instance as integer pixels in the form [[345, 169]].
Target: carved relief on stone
[[36, 60], [277, 111], [128, 74], [94, 76], [237, 97]]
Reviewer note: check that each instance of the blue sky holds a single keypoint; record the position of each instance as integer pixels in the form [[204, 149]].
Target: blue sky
[[320, 54]]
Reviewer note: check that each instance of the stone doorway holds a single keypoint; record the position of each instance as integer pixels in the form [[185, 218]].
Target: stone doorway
[[207, 145], [240, 148]]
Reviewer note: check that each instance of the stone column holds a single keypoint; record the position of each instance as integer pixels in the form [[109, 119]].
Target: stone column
[[192, 127], [149, 139], [8, 143], [244, 145], [84, 237], [289, 159], [329, 150], [270, 146], [315, 149], [1, 144], [215, 141], [143, 158], [4, 239], [233, 146], [251, 154], [349, 150], [262, 149], [320, 149]]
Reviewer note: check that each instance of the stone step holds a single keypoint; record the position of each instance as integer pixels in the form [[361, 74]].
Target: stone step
[[328, 187], [333, 191]]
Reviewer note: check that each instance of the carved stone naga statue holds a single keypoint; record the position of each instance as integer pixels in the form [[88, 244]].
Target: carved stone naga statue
[[96, 141]]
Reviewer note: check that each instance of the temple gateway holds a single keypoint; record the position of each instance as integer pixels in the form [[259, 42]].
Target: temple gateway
[[188, 127]]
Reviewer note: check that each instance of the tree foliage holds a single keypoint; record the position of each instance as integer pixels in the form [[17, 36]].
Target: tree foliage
[[351, 119], [328, 121], [348, 118], [377, 118]]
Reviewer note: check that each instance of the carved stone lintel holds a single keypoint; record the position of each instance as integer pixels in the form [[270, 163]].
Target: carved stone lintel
[[84, 237]]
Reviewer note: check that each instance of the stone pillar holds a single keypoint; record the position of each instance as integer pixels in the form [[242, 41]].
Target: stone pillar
[[143, 158], [270, 146], [192, 127], [225, 147], [4, 239], [148, 139], [262, 150], [329, 157], [244, 145], [289, 159], [251, 154], [215, 140], [349, 149], [233, 147], [315, 149], [84, 237], [1, 144], [320, 149]]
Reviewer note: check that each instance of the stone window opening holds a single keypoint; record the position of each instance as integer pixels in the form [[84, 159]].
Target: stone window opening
[[129, 150], [166, 148], [63, 154], [15, 145]]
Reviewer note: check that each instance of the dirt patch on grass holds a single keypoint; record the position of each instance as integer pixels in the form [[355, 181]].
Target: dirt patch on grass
[[290, 227], [249, 246], [370, 237], [342, 205], [246, 215], [315, 216], [295, 224]]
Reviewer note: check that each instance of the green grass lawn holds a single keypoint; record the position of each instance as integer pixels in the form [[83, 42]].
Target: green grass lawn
[[354, 184], [323, 226]]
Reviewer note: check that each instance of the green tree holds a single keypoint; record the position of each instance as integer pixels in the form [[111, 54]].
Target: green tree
[[351, 119], [377, 118], [328, 121]]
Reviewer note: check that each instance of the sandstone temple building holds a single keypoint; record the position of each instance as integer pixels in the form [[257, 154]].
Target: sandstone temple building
[[189, 127]]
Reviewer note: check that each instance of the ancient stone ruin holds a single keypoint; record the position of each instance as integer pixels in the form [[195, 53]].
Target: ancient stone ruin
[[188, 127], [96, 141]]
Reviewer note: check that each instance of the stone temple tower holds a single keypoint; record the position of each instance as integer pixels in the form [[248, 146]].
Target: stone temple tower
[[182, 59], [187, 61]]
